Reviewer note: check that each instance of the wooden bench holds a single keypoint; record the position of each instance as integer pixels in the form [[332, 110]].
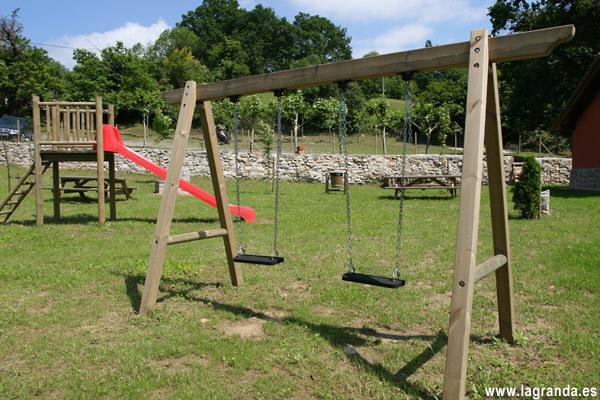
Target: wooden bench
[[84, 184], [447, 182]]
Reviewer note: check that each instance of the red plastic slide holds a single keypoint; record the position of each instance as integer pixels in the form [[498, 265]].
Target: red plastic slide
[[114, 143]]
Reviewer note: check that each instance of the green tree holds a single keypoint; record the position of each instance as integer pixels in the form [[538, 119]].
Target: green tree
[[318, 35], [180, 66], [526, 197], [212, 22], [294, 106], [230, 59], [326, 111], [89, 77], [252, 110], [432, 121], [25, 70], [379, 108], [173, 39], [534, 92]]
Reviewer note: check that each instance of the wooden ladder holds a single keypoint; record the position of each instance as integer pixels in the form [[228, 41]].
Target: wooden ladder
[[14, 199]]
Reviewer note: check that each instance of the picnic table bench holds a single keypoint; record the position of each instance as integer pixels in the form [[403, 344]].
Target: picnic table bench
[[84, 184], [447, 182]]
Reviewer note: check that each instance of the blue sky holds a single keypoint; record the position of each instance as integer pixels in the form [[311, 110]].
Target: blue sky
[[382, 25]]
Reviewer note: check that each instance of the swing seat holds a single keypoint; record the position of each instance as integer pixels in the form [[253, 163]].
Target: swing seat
[[256, 259], [374, 280]]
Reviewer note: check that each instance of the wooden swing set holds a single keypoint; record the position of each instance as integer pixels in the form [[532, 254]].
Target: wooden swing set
[[482, 128]]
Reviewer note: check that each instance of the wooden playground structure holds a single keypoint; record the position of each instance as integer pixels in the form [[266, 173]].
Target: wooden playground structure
[[72, 132], [482, 128]]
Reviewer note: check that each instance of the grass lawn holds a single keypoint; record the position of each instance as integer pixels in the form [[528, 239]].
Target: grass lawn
[[69, 292]]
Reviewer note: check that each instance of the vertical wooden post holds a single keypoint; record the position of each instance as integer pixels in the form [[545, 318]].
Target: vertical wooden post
[[37, 158], [88, 124], [111, 114], [112, 199], [55, 125], [220, 189], [75, 123], [67, 124], [468, 220], [100, 160], [48, 122], [498, 206], [169, 197], [56, 189]]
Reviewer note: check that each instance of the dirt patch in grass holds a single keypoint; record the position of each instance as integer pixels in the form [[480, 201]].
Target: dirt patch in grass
[[276, 315], [368, 354], [109, 324], [246, 329], [160, 394], [438, 300], [176, 364], [324, 311], [539, 325], [297, 289]]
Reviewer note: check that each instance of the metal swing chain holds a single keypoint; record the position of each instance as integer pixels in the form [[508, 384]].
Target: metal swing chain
[[274, 251], [406, 135], [342, 130], [236, 149]]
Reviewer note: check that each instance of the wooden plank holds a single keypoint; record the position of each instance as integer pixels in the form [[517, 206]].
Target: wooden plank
[[100, 160], [78, 124], [468, 220], [111, 114], [37, 160], [67, 124], [66, 143], [56, 189], [213, 155], [67, 103], [169, 197], [499, 208], [489, 266], [200, 235], [518, 46], [55, 124], [88, 124], [112, 190], [48, 123]]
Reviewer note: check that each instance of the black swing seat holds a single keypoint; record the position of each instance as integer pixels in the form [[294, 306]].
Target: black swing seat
[[374, 280], [256, 259]]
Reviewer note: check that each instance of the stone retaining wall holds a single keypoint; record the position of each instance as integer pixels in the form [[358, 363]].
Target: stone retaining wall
[[307, 167]]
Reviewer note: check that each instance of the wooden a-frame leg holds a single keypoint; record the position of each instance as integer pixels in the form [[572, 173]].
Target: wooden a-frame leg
[[498, 206], [468, 220], [218, 181], [169, 197]]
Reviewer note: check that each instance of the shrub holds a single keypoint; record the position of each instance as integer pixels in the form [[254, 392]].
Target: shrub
[[527, 190]]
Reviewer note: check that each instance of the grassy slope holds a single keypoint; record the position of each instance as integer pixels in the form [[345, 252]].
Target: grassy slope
[[68, 294]]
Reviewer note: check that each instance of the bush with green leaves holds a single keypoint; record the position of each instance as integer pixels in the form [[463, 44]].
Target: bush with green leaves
[[526, 196]]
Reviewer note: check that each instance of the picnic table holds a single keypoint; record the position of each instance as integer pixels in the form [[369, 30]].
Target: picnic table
[[84, 184], [447, 182]]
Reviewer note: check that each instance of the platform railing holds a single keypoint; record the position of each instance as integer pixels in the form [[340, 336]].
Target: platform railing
[[67, 125]]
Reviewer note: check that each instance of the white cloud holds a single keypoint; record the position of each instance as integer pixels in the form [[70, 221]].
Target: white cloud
[[130, 34], [398, 39], [420, 10]]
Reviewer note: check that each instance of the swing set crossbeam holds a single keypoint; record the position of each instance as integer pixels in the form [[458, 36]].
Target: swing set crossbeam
[[525, 45]]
